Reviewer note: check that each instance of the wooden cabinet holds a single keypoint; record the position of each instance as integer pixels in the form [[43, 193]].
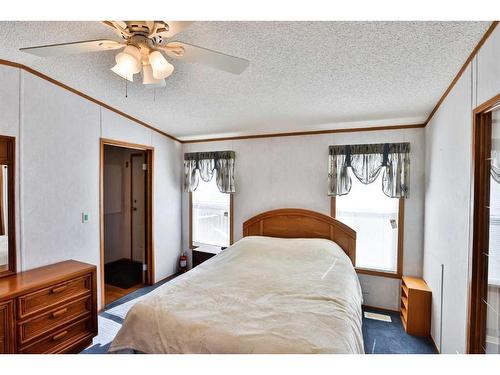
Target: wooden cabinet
[[51, 309], [416, 306]]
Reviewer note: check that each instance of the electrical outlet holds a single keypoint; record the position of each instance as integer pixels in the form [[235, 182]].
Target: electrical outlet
[[85, 217]]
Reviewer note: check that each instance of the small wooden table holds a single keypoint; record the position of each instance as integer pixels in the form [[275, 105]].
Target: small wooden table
[[203, 253]]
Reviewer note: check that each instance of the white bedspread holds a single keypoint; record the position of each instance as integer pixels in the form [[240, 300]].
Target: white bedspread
[[261, 295]]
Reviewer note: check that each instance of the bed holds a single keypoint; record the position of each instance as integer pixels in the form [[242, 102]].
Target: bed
[[288, 286]]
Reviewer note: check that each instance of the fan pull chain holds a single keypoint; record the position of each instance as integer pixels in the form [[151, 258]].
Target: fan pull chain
[[126, 88], [154, 95]]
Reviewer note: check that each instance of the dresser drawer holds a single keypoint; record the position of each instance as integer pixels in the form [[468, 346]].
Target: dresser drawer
[[5, 327], [54, 295], [61, 340], [30, 329]]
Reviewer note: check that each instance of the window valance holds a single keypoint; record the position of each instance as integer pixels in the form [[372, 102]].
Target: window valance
[[204, 164], [366, 162]]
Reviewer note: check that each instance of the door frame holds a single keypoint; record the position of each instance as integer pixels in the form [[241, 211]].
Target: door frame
[[149, 256], [478, 275]]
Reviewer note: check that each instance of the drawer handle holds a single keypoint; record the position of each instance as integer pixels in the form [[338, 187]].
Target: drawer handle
[[59, 335], [58, 313], [59, 289]]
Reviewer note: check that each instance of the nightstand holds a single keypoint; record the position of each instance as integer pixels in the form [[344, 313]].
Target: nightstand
[[203, 253], [416, 299]]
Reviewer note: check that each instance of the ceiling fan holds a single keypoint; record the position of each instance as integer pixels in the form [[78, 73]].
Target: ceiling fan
[[144, 44]]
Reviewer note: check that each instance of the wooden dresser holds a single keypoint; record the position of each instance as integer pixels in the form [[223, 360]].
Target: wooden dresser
[[416, 299], [52, 309]]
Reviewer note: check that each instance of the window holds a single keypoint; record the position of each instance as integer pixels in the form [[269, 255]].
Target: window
[[375, 218], [210, 215]]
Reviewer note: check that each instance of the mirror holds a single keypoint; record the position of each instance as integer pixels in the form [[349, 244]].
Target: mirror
[[7, 232], [4, 225]]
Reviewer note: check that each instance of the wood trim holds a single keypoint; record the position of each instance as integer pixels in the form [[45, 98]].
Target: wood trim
[[136, 120], [149, 215], [150, 254], [462, 70], [333, 207], [478, 281], [401, 236], [11, 204], [300, 223], [254, 136], [312, 132], [231, 221], [191, 246], [85, 96], [488, 105], [401, 221], [434, 345], [366, 271], [135, 146]]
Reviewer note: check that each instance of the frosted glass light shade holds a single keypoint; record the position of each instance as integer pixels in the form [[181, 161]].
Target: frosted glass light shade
[[123, 72], [161, 67], [149, 80], [128, 62]]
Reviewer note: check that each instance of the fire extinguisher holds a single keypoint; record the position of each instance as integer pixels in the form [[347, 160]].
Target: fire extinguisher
[[183, 262]]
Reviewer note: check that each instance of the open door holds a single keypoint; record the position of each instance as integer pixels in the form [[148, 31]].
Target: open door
[[484, 310], [126, 219]]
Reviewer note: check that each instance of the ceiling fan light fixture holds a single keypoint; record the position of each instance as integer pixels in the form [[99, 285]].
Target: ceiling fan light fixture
[[161, 67], [129, 59], [124, 73], [149, 80]]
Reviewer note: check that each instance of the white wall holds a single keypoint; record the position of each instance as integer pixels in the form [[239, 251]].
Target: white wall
[[57, 137], [284, 172], [448, 140]]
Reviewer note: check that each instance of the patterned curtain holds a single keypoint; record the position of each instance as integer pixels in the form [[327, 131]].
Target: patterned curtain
[[366, 163], [204, 165]]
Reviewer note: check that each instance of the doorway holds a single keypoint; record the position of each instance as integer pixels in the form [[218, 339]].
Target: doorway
[[484, 309], [126, 219]]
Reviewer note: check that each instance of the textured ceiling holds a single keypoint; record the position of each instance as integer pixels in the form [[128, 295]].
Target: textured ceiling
[[302, 75]]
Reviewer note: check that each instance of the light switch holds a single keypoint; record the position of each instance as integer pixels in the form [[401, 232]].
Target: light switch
[[85, 217]]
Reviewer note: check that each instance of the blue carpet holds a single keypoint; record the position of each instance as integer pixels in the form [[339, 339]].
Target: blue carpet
[[390, 337], [379, 337]]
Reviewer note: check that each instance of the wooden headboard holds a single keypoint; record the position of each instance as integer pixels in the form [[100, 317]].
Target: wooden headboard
[[299, 223]]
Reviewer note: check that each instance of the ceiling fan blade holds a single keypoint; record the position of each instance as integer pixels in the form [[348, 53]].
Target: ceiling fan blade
[[214, 59], [73, 48], [118, 27], [174, 27]]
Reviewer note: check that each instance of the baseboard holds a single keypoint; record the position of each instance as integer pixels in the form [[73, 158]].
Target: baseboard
[[380, 308], [169, 277], [435, 346]]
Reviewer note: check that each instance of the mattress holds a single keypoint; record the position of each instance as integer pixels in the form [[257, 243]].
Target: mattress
[[260, 295]]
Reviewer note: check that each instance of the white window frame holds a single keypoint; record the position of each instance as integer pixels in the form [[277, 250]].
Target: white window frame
[[399, 261], [193, 244]]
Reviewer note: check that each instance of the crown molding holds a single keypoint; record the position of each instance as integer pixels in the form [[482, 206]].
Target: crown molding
[[462, 70], [271, 135], [85, 96], [312, 132]]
